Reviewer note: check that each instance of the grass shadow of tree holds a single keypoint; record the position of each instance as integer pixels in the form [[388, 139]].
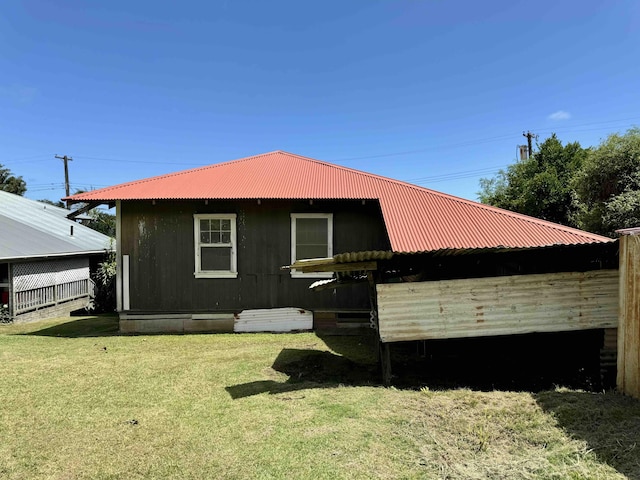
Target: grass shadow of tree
[[609, 423]]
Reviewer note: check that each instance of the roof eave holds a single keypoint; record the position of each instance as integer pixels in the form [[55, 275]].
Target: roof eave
[[55, 255]]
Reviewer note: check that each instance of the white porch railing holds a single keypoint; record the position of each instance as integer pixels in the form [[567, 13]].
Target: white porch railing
[[51, 295]]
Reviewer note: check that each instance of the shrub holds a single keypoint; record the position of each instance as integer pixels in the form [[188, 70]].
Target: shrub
[[105, 280]]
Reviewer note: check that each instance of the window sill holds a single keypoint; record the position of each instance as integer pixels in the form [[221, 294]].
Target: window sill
[[215, 274]]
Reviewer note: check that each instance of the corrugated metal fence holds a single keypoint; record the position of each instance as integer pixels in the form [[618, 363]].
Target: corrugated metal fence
[[498, 305]]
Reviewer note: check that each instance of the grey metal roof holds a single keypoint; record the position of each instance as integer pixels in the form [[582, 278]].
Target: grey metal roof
[[33, 229]]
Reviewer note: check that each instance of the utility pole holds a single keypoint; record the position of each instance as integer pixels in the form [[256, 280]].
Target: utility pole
[[66, 161], [529, 136]]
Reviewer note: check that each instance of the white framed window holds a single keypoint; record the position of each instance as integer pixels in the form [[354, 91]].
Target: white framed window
[[215, 245], [311, 237]]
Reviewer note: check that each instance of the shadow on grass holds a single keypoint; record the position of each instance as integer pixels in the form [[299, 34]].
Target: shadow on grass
[[608, 422], [309, 369], [531, 363], [357, 348], [96, 326]]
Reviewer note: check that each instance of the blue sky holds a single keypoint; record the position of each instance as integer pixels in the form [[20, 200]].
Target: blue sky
[[433, 92]]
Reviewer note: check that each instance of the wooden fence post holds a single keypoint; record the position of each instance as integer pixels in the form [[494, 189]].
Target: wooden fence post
[[628, 379]]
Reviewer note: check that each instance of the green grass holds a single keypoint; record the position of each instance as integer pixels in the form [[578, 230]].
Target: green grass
[[79, 401]]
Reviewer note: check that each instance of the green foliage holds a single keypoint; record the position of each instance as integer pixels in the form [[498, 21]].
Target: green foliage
[[5, 316], [102, 222], [607, 187], [539, 186], [10, 183], [105, 280], [51, 202]]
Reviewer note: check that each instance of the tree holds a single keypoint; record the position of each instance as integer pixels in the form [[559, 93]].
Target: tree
[[539, 186], [51, 202], [607, 186], [11, 184], [102, 221]]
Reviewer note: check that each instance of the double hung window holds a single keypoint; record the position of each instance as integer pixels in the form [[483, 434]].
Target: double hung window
[[311, 237], [215, 245]]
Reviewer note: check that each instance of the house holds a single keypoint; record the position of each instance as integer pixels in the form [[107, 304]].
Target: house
[[202, 249], [45, 259]]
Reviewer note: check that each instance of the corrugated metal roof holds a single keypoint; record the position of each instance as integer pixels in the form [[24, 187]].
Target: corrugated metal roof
[[417, 218], [30, 229]]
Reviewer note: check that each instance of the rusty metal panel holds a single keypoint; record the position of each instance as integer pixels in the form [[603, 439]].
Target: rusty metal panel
[[498, 305]]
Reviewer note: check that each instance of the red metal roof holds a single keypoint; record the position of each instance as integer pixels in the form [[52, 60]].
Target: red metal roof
[[417, 218]]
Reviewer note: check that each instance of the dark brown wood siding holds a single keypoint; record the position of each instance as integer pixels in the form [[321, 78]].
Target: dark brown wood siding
[[160, 242]]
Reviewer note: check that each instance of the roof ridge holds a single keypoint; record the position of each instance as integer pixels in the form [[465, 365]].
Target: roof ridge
[[181, 172]]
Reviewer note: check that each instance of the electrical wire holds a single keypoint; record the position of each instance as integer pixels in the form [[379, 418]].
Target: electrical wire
[[428, 179]]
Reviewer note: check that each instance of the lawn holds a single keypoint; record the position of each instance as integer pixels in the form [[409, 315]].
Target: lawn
[[79, 401]]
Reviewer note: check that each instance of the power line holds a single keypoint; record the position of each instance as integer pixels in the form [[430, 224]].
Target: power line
[[144, 161], [569, 129], [422, 150], [456, 175], [29, 159], [590, 124]]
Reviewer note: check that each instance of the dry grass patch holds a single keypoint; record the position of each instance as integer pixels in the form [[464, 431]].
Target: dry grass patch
[[78, 401]]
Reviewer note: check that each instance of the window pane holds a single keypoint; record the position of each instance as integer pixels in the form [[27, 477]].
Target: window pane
[[312, 238], [215, 259], [205, 237], [312, 230], [225, 225], [215, 237], [225, 237], [215, 224], [204, 225]]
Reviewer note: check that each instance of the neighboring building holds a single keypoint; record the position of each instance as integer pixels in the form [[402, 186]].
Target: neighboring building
[[202, 249], [45, 259]]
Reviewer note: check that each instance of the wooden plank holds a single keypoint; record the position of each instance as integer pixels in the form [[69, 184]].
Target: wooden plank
[[310, 263], [628, 377], [340, 267], [498, 305]]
